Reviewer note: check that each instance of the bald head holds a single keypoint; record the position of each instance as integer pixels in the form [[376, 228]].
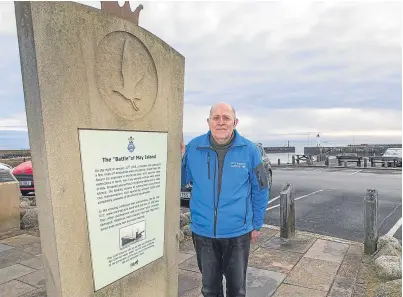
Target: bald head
[[222, 122], [221, 105]]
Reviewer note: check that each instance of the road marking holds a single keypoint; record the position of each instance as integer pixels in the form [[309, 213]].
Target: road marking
[[387, 217], [355, 172], [297, 198], [274, 199], [395, 228], [321, 190]]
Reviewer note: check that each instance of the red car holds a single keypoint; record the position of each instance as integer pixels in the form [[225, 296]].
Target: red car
[[23, 173]]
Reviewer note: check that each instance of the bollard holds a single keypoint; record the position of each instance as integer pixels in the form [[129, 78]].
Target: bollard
[[385, 164], [317, 158], [327, 161], [287, 211], [371, 222], [278, 161], [365, 162], [345, 163], [293, 160]]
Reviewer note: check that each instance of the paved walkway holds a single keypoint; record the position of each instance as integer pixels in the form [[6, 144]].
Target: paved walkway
[[21, 267], [308, 265]]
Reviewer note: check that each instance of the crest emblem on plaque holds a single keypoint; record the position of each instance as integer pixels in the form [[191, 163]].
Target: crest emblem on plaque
[[131, 145]]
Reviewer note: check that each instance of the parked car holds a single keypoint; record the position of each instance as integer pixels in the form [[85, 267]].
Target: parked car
[[24, 174], [5, 167], [5, 173], [267, 163], [186, 191]]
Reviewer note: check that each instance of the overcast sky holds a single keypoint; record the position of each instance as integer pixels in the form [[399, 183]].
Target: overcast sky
[[290, 68]]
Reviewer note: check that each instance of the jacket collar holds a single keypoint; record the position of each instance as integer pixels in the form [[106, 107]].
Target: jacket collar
[[205, 140]]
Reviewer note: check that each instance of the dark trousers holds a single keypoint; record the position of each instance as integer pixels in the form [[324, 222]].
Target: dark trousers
[[222, 256]]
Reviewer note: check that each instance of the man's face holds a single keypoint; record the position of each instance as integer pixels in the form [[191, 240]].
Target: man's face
[[222, 122]]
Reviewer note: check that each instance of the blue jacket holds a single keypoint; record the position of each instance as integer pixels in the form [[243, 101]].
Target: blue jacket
[[244, 194]]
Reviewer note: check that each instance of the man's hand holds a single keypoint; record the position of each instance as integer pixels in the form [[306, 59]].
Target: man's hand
[[255, 234], [183, 148]]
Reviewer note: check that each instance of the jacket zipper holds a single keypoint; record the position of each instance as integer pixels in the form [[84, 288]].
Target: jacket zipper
[[246, 209], [208, 164]]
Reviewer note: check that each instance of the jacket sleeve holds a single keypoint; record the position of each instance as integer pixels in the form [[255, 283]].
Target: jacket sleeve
[[186, 177], [260, 189]]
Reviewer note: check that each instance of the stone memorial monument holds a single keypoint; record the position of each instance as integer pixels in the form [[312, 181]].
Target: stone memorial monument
[[104, 104]]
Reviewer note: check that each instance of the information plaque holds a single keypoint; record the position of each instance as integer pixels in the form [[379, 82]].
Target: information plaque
[[124, 175]]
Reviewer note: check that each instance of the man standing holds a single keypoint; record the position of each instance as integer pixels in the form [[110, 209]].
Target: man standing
[[229, 197]]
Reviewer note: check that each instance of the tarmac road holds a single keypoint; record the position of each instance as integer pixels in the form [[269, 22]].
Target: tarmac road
[[330, 201]]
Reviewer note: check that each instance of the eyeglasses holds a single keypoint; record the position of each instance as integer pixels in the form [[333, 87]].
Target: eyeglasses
[[225, 119]]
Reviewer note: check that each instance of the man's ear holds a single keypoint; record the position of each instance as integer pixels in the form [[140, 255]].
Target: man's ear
[[236, 122]]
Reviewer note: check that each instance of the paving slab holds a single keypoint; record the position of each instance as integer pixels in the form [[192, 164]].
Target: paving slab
[[4, 247], [31, 248], [356, 250], [342, 287], [298, 243], [37, 293], [13, 256], [19, 240], [35, 262], [327, 250], [36, 279], [271, 259], [183, 257], [262, 283], [274, 260], [286, 290], [351, 262], [265, 235], [12, 272], [313, 274], [259, 283], [24, 242], [189, 284], [187, 247], [190, 264], [15, 288], [359, 291], [253, 247]]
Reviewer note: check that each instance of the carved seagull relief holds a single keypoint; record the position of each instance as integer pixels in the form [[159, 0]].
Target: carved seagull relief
[[128, 88]]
